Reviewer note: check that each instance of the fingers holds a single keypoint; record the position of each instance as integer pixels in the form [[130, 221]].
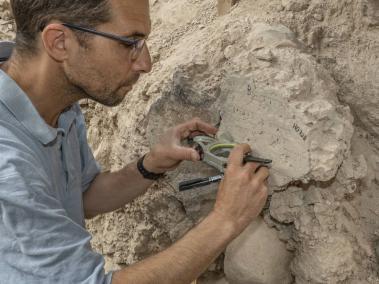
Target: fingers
[[263, 195], [236, 156], [251, 167], [194, 134], [262, 174], [185, 154], [193, 125]]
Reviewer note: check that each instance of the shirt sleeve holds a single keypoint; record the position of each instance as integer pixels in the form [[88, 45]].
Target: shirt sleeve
[[39, 241], [90, 167]]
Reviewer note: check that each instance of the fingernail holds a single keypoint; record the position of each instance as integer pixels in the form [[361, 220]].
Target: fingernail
[[258, 168], [195, 156]]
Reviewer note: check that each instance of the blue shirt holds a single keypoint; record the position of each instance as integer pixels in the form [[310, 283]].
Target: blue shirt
[[43, 174]]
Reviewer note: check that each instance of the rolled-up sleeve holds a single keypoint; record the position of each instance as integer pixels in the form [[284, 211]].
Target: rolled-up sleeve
[[39, 242]]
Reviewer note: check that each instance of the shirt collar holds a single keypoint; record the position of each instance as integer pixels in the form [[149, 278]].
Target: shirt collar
[[19, 104], [6, 48]]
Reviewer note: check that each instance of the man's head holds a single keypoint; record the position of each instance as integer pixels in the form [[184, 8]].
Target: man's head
[[94, 66], [33, 16]]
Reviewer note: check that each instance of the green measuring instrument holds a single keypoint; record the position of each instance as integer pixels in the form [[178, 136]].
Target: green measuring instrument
[[215, 152]]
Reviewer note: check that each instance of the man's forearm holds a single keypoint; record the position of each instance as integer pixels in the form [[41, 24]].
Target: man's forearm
[[184, 261], [110, 191]]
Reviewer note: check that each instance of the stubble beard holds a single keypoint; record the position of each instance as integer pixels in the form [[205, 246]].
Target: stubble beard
[[106, 96], [109, 99]]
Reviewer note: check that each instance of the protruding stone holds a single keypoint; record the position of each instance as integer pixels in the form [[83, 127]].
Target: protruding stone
[[291, 117], [295, 5], [329, 261], [285, 206], [258, 256]]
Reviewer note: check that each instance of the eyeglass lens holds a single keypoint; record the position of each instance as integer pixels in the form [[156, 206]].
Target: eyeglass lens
[[137, 48]]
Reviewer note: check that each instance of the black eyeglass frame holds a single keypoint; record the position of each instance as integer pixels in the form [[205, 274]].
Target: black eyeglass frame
[[135, 43]]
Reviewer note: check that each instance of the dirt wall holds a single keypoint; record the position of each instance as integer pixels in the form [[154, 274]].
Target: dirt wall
[[312, 70]]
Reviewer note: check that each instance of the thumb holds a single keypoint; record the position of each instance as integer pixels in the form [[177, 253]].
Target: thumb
[[185, 153]]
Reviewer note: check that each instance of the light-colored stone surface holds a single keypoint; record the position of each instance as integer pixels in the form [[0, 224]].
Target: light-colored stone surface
[[286, 206], [7, 25], [224, 6], [295, 5], [332, 258], [306, 137], [258, 257]]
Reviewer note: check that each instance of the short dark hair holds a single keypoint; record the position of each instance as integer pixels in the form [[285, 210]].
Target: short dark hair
[[32, 16]]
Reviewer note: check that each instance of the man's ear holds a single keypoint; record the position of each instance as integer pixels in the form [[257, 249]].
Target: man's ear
[[54, 38]]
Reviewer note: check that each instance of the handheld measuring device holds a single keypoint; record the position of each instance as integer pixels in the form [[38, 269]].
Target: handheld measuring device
[[215, 153]]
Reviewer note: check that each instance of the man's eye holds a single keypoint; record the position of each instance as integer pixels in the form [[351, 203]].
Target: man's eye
[[126, 45]]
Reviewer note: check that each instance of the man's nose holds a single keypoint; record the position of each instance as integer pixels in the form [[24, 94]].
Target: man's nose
[[143, 63]]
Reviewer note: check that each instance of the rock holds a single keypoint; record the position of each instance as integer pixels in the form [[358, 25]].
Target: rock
[[295, 5], [328, 261], [265, 55], [376, 245], [318, 17], [371, 9], [286, 205], [185, 12], [277, 98], [352, 170], [224, 6], [313, 196], [263, 35], [315, 37], [231, 51], [190, 81], [306, 138], [257, 256], [287, 107], [197, 203], [360, 76], [214, 281]]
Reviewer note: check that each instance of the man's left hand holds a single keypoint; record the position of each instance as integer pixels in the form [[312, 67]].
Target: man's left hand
[[169, 152]]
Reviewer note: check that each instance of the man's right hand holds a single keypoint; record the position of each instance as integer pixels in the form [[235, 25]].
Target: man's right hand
[[243, 192], [241, 197]]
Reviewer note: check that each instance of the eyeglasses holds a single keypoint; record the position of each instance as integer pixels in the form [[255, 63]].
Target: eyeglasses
[[136, 45]]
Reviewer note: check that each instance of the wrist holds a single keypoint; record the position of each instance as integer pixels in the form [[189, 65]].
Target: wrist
[[227, 228], [146, 173], [150, 165]]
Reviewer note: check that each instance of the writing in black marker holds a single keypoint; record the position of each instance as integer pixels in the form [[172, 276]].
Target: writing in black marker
[[300, 131]]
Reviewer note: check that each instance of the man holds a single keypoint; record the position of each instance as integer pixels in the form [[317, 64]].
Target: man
[[49, 181]]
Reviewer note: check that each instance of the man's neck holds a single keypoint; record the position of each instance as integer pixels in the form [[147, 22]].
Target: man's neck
[[44, 84]]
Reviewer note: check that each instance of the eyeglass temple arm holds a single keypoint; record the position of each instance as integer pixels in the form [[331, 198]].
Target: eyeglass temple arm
[[88, 30]]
